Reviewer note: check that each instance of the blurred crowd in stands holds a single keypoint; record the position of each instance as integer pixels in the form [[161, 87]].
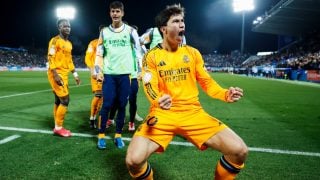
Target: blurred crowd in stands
[[20, 57], [302, 54]]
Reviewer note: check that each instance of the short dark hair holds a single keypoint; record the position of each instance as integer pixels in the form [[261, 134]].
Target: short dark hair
[[163, 17], [135, 27], [59, 21], [101, 27], [116, 5]]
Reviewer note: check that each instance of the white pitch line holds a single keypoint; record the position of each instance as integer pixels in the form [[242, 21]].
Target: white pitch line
[[295, 82], [278, 151], [8, 139], [34, 92], [253, 149]]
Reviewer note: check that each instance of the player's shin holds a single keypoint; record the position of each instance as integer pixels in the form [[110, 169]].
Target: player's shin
[[227, 170], [60, 114], [94, 104], [145, 172], [55, 108]]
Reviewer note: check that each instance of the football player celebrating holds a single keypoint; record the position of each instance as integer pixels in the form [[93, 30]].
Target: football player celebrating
[[170, 73]]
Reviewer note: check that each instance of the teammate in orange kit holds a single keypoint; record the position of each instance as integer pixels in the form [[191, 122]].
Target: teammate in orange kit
[[96, 86], [60, 64]]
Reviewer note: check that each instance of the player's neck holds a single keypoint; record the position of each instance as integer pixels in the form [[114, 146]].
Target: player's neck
[[116, 24], [171, 47], [65, 37]]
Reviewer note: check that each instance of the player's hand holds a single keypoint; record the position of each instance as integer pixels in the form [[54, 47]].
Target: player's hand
[[58, 79], [99, 77], [234, 94], [165, 101], [94, 76], [78, 81], [139, 76]]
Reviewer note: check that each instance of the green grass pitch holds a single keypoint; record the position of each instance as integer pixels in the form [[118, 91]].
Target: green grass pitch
[[279, 120]]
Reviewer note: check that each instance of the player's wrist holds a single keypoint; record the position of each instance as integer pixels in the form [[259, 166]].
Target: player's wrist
[[75, 74]]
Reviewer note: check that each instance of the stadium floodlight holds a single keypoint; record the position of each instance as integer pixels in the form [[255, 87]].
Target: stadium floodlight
[[66, 12], [242, 6], [257, 20]]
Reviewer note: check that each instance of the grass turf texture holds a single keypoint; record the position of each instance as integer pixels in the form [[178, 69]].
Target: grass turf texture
[[273, 114]]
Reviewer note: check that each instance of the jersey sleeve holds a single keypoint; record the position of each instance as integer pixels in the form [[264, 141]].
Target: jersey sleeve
[[137, 46], [150, 79], [90, 54], [145, 38], [70, 63], [98, 62], [52, 49], [210, 86]]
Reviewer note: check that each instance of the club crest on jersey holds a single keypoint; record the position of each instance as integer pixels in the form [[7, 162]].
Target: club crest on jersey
[[186, 59], [151, 121]]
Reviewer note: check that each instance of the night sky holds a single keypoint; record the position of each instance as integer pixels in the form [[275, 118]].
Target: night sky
[[211, 25]]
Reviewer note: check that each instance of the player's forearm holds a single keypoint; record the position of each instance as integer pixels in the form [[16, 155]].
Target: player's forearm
[[98, 65], [214, 90]]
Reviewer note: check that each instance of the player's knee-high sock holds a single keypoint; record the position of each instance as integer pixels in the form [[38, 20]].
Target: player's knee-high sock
[[144, 173], [227, 170], [55, 108], [61, 112], [99, 105], [94, 107]]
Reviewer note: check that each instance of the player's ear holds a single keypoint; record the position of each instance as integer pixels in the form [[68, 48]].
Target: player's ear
[[163, 29]]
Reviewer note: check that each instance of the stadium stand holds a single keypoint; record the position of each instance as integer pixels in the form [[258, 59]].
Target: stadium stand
[[20, 58], [297, 60]]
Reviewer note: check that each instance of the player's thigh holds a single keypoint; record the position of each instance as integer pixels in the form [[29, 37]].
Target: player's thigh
[[60, 91], [226, 141], [140, 148], [198, 126]]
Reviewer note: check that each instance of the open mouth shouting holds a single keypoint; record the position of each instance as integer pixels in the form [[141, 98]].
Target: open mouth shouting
[[181, 33]]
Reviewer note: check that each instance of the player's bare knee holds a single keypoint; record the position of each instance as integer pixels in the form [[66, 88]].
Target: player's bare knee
[[240, 151], [57, 102], [65, 101], [134, 161]]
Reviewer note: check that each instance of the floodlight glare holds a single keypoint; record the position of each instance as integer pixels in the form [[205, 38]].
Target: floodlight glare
[[242, 5], [66, 12]]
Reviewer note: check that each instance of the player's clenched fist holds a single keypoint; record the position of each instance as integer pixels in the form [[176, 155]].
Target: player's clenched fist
[[234, 94], [165, 101]]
